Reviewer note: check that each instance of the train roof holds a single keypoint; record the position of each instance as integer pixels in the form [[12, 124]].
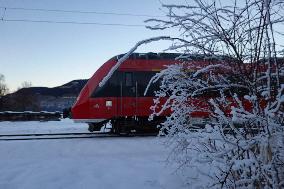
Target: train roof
[[172, 56], [180, 56]]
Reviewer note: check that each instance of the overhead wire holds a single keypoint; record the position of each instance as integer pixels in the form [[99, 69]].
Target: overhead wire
[[72, 22], [3, 19], [80, 12]]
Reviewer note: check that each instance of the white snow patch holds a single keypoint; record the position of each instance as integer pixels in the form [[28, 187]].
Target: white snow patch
[[105, 163], [63, 126]]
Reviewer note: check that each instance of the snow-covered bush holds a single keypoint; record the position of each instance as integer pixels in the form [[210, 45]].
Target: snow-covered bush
[[242, 89], [237, 150]]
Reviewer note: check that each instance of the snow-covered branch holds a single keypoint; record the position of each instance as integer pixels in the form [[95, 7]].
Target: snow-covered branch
[[124, 57]]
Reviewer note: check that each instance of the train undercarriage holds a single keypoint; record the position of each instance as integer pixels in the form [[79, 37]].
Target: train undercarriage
[[128, 125]]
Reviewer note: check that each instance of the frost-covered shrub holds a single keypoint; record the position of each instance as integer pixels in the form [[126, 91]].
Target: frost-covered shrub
[[239, 149], [242, 144]]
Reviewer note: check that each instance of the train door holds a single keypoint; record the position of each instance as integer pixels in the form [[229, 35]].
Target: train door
[[128, 95], [103, 100]]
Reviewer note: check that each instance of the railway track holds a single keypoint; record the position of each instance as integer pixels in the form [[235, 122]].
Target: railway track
[[49, 136], [53, 136]]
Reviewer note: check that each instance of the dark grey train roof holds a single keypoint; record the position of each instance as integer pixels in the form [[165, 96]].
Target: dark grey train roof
[[172, 56], [179, 56]]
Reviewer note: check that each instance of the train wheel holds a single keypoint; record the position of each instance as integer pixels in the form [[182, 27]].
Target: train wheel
[[91, 127], [124, 131], [95, 126], [121, 127]]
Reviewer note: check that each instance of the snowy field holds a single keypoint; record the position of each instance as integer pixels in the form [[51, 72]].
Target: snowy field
[[120, 163], [66, 125]]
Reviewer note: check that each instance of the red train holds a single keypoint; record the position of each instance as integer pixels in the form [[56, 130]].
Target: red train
[[121, 100]]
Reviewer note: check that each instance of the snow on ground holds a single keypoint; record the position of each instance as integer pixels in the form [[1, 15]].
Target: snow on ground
[[103, 163], [63, 126]]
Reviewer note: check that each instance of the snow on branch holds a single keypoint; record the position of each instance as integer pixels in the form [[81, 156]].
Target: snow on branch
[[124, 57], [210, 67]]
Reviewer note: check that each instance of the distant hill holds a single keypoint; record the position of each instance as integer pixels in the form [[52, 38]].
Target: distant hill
[[71, 88], [43, 98]]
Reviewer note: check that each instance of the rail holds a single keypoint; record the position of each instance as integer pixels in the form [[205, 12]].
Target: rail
[[50, 136]]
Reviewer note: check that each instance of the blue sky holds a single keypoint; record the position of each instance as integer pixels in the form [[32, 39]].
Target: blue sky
[[53, 54]]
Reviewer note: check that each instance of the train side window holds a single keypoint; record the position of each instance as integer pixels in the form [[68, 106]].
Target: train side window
[[143, 79], [128, 79], [110, 89]]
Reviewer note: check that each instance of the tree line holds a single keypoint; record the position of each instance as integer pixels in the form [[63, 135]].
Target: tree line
[[21, 100]]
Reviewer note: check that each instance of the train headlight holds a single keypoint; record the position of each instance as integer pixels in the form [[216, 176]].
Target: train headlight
[[108, 103]]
